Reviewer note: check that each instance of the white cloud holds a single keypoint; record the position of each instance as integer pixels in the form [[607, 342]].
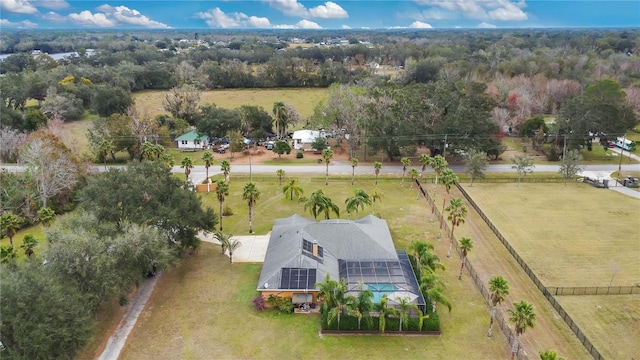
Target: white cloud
[[24, 24], [346, 27], [217, 18], [420, 25], [284, 26], [289, 7], [258, 22], [124, 15], [51, 4], [329, 10], [485, 25], [54, 17], [306, 24], [18, 7], [500, 10], [86, 18]]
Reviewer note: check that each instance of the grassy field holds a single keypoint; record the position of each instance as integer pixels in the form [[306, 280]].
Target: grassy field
[[611, 323], [569, 236], [37, 231], [304, 100], [225, 325]]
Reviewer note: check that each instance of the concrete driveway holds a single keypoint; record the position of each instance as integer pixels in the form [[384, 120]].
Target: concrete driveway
[[253, 248]]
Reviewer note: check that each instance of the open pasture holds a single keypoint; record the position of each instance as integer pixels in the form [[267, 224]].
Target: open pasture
[[304, 100], [576, 235]]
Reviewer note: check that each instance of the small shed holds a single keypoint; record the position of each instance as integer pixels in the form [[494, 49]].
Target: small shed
[[302, 139], [192, 141]]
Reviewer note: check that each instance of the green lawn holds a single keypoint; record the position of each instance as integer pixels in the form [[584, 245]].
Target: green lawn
[[304, 100], [569, 236], [37, 231]]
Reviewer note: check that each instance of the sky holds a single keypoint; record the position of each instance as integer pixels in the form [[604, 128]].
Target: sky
[[297, 14]]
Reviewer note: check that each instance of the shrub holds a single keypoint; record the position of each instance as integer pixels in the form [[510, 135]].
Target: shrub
[[226, 211], [432, 323], [299, 155], [284, 305], [258, 303]]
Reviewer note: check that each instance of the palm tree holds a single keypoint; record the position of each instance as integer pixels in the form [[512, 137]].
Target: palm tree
[[404, 305], [223, 239], [340, 302], [7, 254], [280, 174], [280, 114], [377, 166], [251, 194], [448, 180], [523, 317], [225, 167], [425, 160], [383, 311], [326, 293], [10, 223], [327, 155], [207, 157], [157, 150], [432, 287], [232, 245], [222, 190], [105, 147], [361, 306], [147, 150], [292, 188], [413, 174], [406, 162], [430, 262], [358, 200], [465, 246], [457, 214], [376, 196], [46, 216], [167, 159], [438, 163], [354, 163], [28, 243], [421, 318], [499, 288], [320, 203], [187, 164], [549, 355]]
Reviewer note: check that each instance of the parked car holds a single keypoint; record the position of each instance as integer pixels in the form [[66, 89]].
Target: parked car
[[270, 145]]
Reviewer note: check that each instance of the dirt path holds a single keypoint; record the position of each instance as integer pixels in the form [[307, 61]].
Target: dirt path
[[119, 338], [490, 258]]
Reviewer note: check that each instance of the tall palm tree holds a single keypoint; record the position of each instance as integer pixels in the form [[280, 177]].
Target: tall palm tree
[[280, 174], [358, 200], [404, 305], [232, 245], [438, 163], [383, 311], [28, 243], [319, 203], [326, 293], [499, 288], [280, 114], [448, 180], [250, 194], [376, 196], [187, 164], [225, 167], [377, 166], [421, 251], [157, 151], [167, 159], [457, 215], [549, 355], [327, 155], [222, 190], [105, 147], [354, 163], [207, 157], [406, 162], [10, 223], [413, 174], [465, 246], [425, 160], [147, 150], [523, 317], [292, 188], [46, 216]]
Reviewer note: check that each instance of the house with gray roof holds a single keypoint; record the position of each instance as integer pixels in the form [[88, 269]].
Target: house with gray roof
[[302, 252]]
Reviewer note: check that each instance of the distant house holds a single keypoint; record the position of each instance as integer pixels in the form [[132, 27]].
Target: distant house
[[302, 252], [302, 139], [192, 141]]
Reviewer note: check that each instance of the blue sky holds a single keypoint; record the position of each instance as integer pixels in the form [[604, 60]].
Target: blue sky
[[335, 14]]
